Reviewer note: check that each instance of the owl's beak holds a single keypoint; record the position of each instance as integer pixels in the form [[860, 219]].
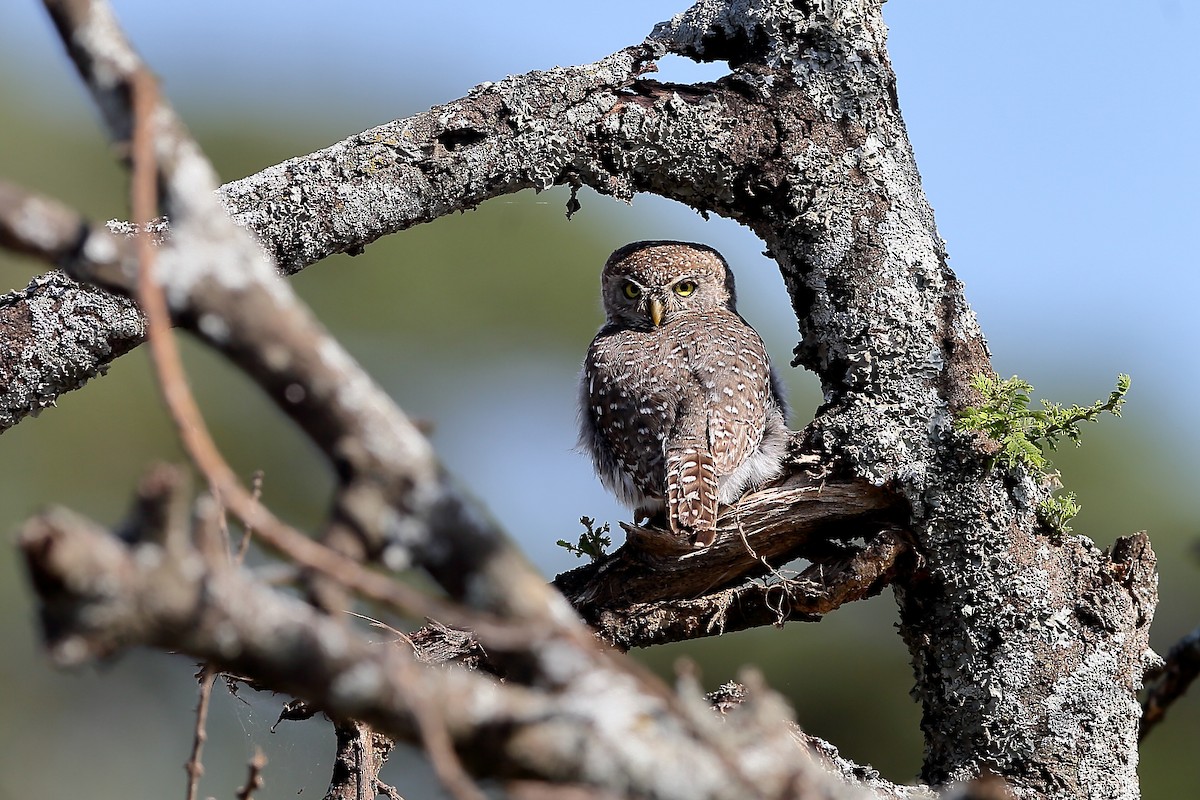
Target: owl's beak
[[656, 311]]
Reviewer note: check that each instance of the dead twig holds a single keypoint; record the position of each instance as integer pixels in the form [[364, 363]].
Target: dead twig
[[254, 780], [207, 676], [256, 482], [171, 381]]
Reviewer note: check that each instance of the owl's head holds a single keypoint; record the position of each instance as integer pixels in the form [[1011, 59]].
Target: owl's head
[[649, 284]]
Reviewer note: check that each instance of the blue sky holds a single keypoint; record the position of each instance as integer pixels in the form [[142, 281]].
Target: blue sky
[[1055, 139], [1056, 143]]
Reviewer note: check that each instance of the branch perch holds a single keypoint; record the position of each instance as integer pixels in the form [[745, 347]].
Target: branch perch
[[655, 589]]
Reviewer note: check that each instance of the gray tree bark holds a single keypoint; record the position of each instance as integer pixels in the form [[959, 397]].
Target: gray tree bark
[[1028, 645]]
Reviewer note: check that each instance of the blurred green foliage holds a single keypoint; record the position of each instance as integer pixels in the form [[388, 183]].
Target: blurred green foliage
[[431, 313]]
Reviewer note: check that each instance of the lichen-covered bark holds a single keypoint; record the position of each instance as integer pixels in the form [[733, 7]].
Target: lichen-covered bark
[[59, 334], [523, 132], [1027, 652]]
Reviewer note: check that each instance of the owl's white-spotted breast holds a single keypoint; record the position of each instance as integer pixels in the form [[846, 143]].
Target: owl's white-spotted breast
[[679, 406]]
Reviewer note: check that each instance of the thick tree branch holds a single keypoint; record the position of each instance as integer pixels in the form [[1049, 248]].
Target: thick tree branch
[[656, 589], [858, 573], [219, 284], [57, 333], [606, 727]]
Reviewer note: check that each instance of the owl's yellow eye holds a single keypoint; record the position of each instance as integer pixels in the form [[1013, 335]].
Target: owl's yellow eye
[[684, 288], [632, 291]]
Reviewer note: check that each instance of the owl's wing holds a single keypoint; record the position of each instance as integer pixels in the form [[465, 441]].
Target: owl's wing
[[621, 423], [731, 440], [738, 392]]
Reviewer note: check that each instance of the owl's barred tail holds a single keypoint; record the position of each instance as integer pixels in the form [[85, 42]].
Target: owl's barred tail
[[692, 493]]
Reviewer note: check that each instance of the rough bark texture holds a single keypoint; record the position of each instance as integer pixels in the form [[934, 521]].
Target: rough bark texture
[[1028, 645], [63, 334], [601, 724], [1027, 652], [361, 754], [657, 588]]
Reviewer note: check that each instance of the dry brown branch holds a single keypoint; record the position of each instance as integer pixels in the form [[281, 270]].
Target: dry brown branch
[[1170, 681], [195, 767], [256, 483], [254, 780], [655, 588], [361, 754]]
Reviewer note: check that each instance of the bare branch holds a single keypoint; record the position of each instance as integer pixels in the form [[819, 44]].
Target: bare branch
[[37, 227], [771, 600], [1027, 647], [657, 589], [195, 768], [731, 695], [221, 286], [58, 334], [100, 595], [1171, 681], [254, 780], [361, 754]]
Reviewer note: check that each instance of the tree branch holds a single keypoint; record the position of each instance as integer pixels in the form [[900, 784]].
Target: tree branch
[[655, 589], [101, 594], [361, 754], [1170, 681], [220, 285]]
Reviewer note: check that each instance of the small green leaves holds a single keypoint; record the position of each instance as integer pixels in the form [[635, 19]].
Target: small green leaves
[[1025, 434], [591, 542], [1056, 512]]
